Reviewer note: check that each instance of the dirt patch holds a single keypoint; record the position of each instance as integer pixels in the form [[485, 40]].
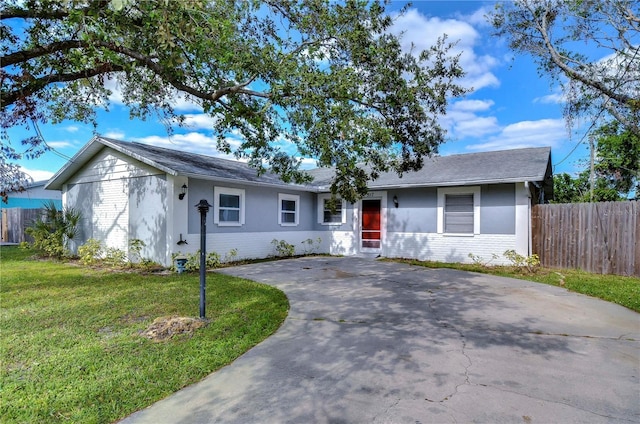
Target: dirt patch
[[164, 328]]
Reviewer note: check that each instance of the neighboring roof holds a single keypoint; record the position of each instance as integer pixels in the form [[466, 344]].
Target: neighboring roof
[[173, 162], [505, 166]]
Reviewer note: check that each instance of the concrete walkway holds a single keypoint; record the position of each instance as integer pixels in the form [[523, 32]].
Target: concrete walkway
[[380, 342]]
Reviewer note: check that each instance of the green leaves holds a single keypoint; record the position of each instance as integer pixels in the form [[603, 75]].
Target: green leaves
[[328, 77]]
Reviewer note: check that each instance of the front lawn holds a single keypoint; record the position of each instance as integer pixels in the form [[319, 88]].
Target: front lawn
[[71, 343], [622, 290]]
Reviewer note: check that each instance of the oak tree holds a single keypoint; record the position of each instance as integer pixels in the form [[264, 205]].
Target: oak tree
[[328, 77], [591, 47]]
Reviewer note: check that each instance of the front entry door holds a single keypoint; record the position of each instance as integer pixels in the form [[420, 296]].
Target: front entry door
[[371, 224]]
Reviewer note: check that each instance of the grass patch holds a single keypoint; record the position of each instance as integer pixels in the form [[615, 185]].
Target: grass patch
[[71, 338], [618, 289]]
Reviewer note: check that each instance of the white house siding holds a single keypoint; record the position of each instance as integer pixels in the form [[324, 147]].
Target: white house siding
[[100, 191], [254, 244], [447, 248], [523, 219], [111, 213], [148, 215], [342, 242]]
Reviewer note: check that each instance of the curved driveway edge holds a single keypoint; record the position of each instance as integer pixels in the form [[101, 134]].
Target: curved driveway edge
[[382, 342]]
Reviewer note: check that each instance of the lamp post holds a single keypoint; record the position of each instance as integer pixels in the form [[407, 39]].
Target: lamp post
[[203, 208]]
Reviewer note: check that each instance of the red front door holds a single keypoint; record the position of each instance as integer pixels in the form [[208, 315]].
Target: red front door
[[370, 234]]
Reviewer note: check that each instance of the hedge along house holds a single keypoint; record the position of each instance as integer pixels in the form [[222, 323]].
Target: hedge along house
[[476, 203]]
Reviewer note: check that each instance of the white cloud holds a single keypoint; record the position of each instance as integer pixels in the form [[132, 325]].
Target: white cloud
[[72, 128], [180, 101], [476, 127], [60, 144], [118, 135], [479, 18], [193, 142], [37, 174], [543, 132], [471, 105], [421, 32], [554, 98], [308, 163], [198, 121]]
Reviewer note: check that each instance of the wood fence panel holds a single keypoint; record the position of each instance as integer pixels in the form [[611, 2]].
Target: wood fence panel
[[597, 237], [15, 221]]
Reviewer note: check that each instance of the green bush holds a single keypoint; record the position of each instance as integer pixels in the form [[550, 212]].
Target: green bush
[[114, 257], [212, 260], [51, 232], [91, 252], [135, 247], [282, 248], [519, 261], [231, 255]]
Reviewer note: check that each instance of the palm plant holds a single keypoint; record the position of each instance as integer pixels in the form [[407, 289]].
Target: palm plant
[[54, 229]]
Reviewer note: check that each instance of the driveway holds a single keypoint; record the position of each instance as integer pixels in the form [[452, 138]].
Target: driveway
[[381, 342]]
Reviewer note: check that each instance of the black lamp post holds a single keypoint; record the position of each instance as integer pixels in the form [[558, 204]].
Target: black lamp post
[[203, 207]]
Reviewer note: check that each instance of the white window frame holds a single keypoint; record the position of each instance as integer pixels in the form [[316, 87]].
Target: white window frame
[[291, 197], [321, 201], [217, 191], [473, 190]]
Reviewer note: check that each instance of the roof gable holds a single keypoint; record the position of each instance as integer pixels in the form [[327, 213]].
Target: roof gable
[[172, 162]]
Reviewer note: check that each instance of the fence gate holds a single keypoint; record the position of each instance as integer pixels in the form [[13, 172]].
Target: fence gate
[[596, 237]]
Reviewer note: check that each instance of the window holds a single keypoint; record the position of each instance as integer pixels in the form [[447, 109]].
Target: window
[[327, 215], [288, 209], [458, 213], [459, 210], [228, 206]]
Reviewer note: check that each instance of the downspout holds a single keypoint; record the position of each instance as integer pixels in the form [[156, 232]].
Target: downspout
[[529, 230]]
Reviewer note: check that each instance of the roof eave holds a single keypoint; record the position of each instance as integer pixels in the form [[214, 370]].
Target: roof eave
[[90, 149], [283, 185], [447, 184]]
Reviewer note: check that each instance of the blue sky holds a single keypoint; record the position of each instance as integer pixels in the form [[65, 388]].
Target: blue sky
[[510, 106]]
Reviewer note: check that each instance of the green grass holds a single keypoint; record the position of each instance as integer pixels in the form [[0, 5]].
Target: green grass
[[622, 290], [70, 344]]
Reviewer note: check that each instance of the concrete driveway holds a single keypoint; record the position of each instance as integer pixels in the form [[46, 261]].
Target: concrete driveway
[[381, 342]]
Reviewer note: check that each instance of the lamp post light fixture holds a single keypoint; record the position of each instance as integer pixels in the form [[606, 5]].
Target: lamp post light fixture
[[203, 208], [183, 191]]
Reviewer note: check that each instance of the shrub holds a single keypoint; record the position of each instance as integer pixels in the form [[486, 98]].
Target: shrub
[[212, 260], [311, 245], [51, 232], [135, 247], [114, 256], [520, 261], [90, 252], [231, 255], [282, 248], [479, 260]]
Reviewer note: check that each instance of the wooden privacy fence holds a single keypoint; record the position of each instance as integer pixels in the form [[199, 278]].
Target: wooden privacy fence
[[596, 237], [14, 222]]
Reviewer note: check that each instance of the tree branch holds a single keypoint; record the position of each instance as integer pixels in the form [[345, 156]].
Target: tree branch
[[570, 72], [25, 55], [37, 84]]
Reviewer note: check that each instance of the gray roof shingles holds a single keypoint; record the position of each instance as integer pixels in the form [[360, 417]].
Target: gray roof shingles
[[517, 165]]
